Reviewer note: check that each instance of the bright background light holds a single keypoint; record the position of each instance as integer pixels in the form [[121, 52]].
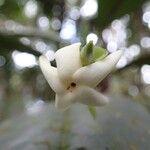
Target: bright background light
[[68, 29], [23, 60], [145, 70], [89, 8], [112, 46], [92, 37], [145, 42], [55, 23], [32, 108], [74, 13], [31, 8], [43, 23]]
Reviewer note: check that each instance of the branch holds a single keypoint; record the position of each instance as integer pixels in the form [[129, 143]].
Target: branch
[[9, 43], [9, 38], [32, 32]]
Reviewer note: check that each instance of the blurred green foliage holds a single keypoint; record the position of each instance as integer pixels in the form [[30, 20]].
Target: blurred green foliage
[[110, 10]]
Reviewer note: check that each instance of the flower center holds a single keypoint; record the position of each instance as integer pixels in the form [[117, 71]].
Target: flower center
[[71, 86]]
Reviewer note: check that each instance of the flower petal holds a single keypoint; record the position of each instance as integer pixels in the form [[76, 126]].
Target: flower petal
[[63, 101], [90, 96], [51, 75], [91, 75], [81, 94], [68, 61]]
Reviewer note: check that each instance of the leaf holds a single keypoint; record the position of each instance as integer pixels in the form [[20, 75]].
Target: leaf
[[92, 111], [99, 53], [86, 54]]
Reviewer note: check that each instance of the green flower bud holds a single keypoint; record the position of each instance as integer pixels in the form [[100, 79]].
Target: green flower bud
[[90, 54]]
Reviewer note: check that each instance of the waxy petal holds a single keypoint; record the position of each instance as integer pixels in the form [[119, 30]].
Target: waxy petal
[[63, 101], [68, 61], [91, 75], [51, 75], [81, 94], [90, 96]]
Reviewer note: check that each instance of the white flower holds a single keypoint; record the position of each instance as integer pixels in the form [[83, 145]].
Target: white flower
[[74, 83]]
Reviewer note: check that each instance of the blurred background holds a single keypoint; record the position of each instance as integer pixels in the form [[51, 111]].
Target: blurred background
[[28, 119]]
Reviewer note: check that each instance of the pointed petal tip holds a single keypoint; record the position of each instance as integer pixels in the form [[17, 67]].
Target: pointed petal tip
[[60, 107], [62, 103], [72, 46], [114, 57], [106, 100], [119, 53], [57, 106], [42, 59]]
